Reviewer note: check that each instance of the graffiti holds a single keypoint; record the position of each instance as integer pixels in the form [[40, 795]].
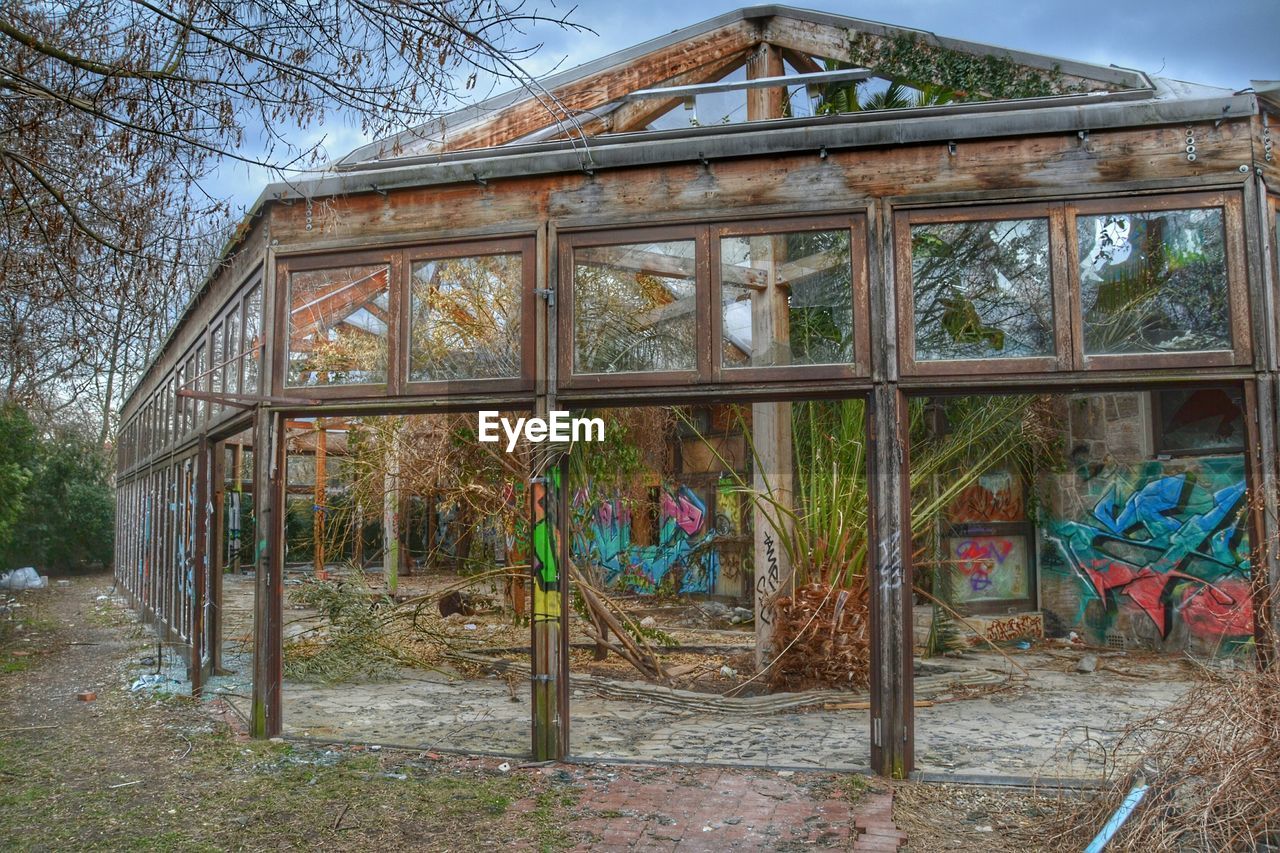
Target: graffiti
[[684, 555], [1171, 546], [767, 586], [996, 496], [976, 559], [1015, 627], [546, 566]]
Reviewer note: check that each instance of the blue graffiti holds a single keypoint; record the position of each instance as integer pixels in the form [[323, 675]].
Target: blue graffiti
[[685, 543]]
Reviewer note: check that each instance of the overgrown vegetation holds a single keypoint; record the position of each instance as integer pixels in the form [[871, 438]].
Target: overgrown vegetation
[[57, 508]]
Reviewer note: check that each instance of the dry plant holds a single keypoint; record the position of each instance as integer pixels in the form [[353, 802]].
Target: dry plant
[[1212, 764]]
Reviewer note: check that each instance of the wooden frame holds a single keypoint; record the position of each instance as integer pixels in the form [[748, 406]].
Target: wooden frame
[[527, 248], [285, 267], [1065, 283], [1063, 341], [1158, 439], [568, 243], [709, 330], [860, 365], [1241, 351]]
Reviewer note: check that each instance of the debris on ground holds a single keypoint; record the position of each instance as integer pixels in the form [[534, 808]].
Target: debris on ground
[[22, 579], [1210, 763]]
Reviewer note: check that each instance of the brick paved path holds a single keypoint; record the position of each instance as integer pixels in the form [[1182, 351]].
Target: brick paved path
[[691, 809]]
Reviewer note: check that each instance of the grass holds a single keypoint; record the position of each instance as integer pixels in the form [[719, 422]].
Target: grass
[[230, 794]]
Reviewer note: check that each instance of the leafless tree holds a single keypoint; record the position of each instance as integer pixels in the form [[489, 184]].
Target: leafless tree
[[114, 114]]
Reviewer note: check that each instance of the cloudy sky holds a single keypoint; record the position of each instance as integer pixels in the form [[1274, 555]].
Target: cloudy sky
[[1223, 43]]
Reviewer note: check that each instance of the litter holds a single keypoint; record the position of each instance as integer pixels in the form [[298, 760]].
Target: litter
[[25, 578]]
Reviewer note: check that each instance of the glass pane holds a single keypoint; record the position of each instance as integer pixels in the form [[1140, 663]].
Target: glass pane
[[1200, 421], [982, 289], [232, 374], [634, 307], [216, 356], [987, 569], [786, 299], [1153, 282], [252, 339], [465, 318], [338, 326]]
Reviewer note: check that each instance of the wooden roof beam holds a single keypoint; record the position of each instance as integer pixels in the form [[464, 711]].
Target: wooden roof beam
[[611, 84]]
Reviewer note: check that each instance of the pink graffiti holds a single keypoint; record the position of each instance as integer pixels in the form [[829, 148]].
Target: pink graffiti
[[688, 515], [976, 559]]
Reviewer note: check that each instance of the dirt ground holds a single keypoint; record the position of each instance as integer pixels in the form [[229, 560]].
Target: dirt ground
[[154, 770]]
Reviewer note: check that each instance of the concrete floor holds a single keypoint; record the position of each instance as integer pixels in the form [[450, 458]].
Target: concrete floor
[[973, 722]]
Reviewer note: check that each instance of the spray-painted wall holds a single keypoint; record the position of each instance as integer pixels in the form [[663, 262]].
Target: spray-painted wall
[[1137, 551]]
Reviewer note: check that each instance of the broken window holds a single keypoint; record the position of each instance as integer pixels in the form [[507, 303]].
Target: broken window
[[1153, 282], [634, 307], [464, 320], [338, 320], [786, 299], [982, 289], [232, 376], [1199, 421]]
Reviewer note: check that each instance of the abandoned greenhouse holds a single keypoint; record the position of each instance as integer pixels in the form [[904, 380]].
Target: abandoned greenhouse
[[939, 405]]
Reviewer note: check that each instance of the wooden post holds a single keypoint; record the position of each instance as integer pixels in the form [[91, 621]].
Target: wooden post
[[391, 513], [319, 503], [200, 562], [765, 103], [268, 481], [891, 655], [1264, 529], [214, 537], [770, 422]]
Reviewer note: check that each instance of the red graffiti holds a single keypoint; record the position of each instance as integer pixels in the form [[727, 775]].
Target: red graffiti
[[1221, 609], [1206, 607]]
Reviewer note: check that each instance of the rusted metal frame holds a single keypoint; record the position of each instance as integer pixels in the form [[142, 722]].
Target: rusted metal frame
[[564, 314], [196, 670], [527, 248], [856, 225], [1260, 459], [1241, 351], [215, 509], [903, 286], [269, 479]]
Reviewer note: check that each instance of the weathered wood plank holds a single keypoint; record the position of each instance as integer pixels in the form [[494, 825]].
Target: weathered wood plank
[[533, 113], [797, 183]]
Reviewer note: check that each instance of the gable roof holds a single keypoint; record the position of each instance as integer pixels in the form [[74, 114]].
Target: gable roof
[[593, 98]]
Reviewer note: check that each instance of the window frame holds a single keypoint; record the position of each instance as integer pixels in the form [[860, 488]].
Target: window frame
[[525, 246], [1059, 288], [285, 267], [859, 276], [1240, 351], [569, 243], [1064, 261]]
